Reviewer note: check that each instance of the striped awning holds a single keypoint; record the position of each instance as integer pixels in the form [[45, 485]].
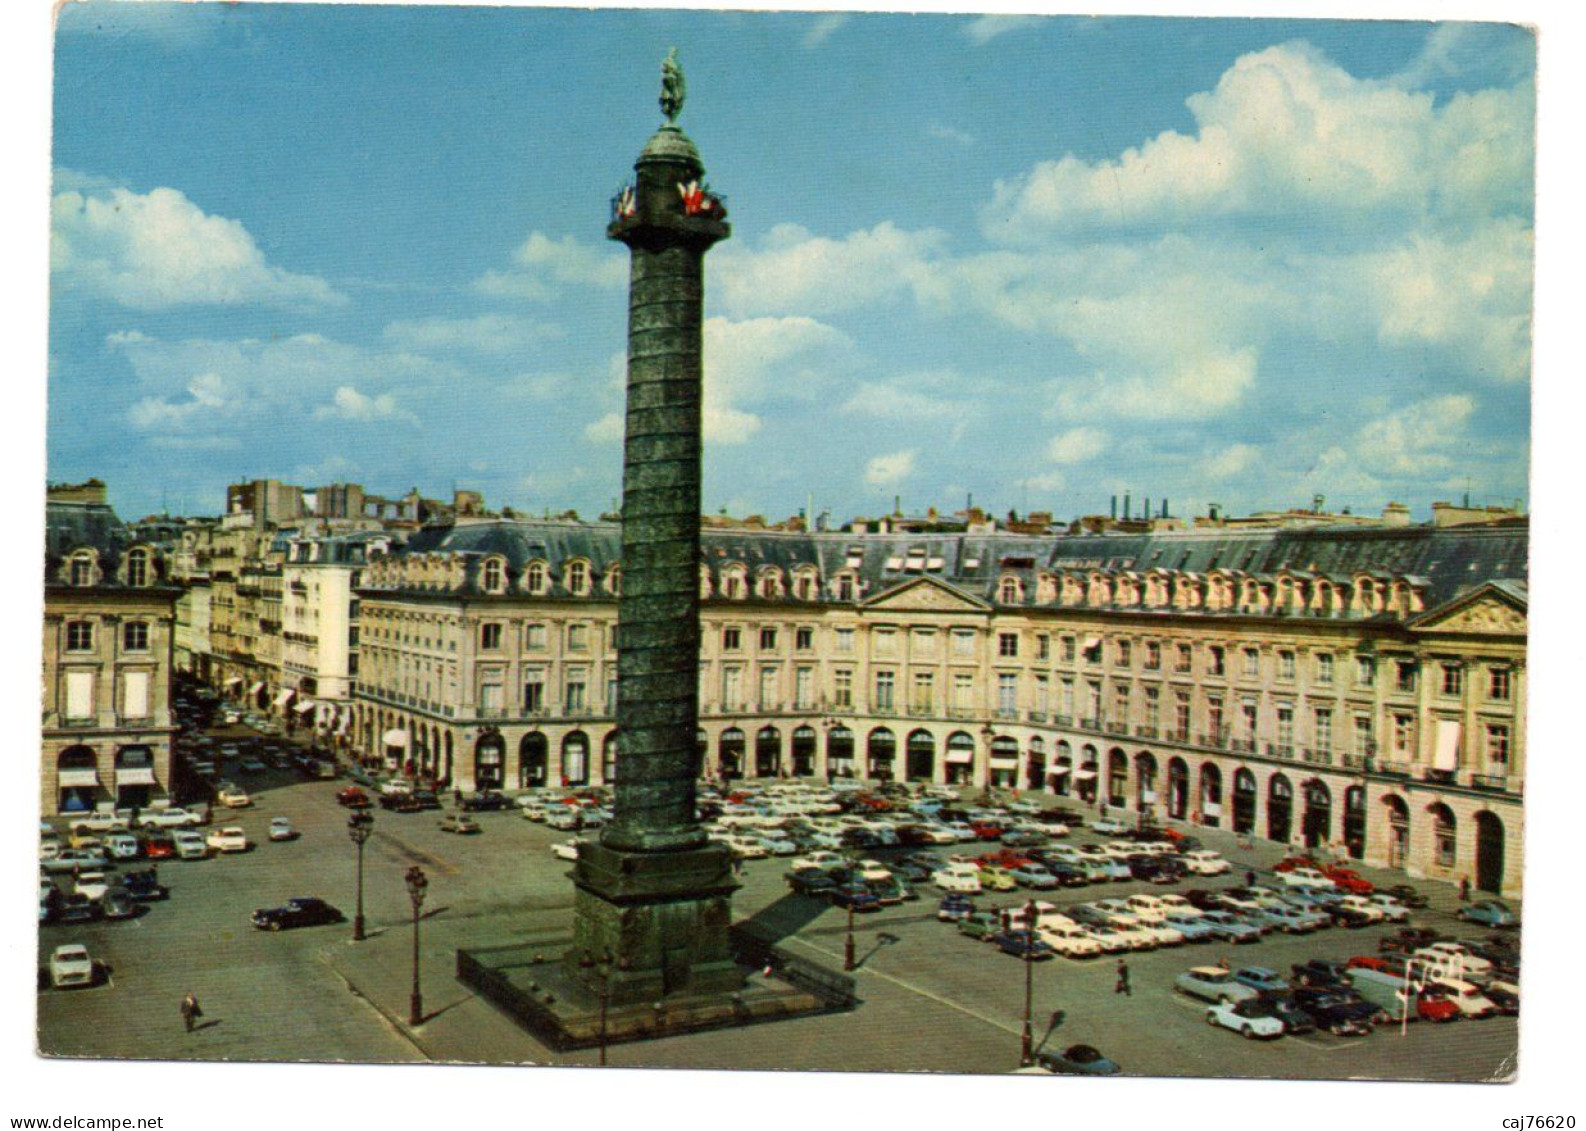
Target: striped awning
[[78, 779], [135, 775]]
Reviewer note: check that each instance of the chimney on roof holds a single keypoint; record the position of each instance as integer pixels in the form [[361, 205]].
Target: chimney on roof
[[1145, 509], [1126, 506], [1164, 508], [1115, 507], [897, 504]]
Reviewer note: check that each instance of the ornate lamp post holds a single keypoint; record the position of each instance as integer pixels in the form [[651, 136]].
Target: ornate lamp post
[[417, 883], [602, 966], [360, 826], [1027, 1039], [848, 943]]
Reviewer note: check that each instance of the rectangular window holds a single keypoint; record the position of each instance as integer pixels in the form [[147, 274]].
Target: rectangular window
[[1217, 661], [843, 688], [804, 639], [923, 699], [1093, 647], [769, 700], [135, 637], [1153, 656], [490, 696], [1365, 671], [1153, 708], [534, 638], [1285, 664], [963, 643], [1007, 694], [1181, 716], [1184, 658], [768, 640], [1500, 683], [1324, 730], [534, 691], [135, 695], [1365, 735], [1043, 695], [731, 639], [1453, 679], [1125, 653], [963, 691], [577, 697], [611, 694], [1252, 663], [731, 688], [1324, 668], [578, 638], [1043, 646], [1404, 679], [886, 683], [1120, 706], [1066, 707], [1069, 646], [844, 639], [490, 637], [1093, 702], [1007, 644], [80, 636], [804, 688], [1214, 718], [1404, 735], [1249, 714], [79, 695], [1285, 727], [1444, 837], [1497, 744]]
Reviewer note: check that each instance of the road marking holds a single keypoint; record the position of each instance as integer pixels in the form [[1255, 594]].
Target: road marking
[[914, 989]]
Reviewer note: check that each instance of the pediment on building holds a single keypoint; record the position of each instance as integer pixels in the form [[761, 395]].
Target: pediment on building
[[1488, 611], [924, 594]]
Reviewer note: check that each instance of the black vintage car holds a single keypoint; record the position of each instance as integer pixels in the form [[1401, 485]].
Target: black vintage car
[[400, 803], [301, 912], [1341, 1012], [144, 885], [1407, 939], [811, 881], [1321, 973], [1288, 1011], [487, 801]]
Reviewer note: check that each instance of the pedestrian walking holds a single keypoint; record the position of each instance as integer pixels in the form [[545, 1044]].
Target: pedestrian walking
[[1464, 889], [191, 1011], [1122, 985], [1250, 878]]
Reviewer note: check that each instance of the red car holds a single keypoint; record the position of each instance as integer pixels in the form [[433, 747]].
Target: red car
[[159, 847], [1436, 1007], [1368, 962], [1289, 863], [1349, 880], [1007, 859], [986, 830], [353, 798]]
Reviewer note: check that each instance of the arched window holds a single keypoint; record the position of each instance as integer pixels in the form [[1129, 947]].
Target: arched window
[[578, 578], [495, 575], [534, 578], [614, 581], [82, 569], [138, 568], [734, 586], [769, 584], [1010, 591], [1445, 835], [805, 586], [843, 587]]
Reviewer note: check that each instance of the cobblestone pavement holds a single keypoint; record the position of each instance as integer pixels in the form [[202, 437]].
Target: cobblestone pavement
[[931, 999]]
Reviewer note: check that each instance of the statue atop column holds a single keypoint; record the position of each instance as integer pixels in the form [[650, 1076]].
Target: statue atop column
[[673, 88]]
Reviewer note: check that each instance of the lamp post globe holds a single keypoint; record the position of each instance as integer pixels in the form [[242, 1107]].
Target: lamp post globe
[[360, 826]]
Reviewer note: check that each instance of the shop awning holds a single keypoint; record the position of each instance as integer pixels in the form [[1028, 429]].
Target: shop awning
[[1447, 756], [1092, 643], [1059, 772], [135, 775], [960, 757], [1212, 809], [78, 779], [281, 699], [306, 706], [396, 736], [256, 688], [1084, 775], [234, 681], [1005, 759]]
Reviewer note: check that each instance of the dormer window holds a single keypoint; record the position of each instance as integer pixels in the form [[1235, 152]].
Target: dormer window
[[578, 578], [804, 586], [138, 568], [495, 576], [1010, 592], [844, 586], [82, 570], [769, 584], [534, 578], [733, 585], [614, 581]]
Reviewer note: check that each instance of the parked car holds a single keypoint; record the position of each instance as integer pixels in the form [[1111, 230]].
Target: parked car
[[190, 845], [1068, 939], [980, 925], [1341, 1012], [353, 798], [1468, 996], [300, 912], [1490, 912], [856, 895], [117, 903], [172, 818], [1231, 927], [954, 906], [91, 884], [1306, 877], [1320, 972], [1261, 979], [75, 860], [121, 846], [565, 850], [1213, 983], [100, 822], [962, 878], [1407, 939], [1349, 880], [486, 801], [1022, 944], [1392, 910], [1205, 863], [145, 885], [1407, 895], [1505, 996], [229, 838], [281, 829], [1076, 1060], [1253, 1019], [460, 823], [71, 966], [1295, 1020], [74, 907]]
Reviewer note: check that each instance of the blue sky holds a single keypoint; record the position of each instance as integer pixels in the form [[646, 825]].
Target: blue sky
[[1043, 260]]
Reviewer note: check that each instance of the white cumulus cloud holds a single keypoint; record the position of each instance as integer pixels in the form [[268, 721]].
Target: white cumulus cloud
[[350, 404], [793, 271], [1078, 445], [157, 250], [484, 333], [543, 267], [890, 470]]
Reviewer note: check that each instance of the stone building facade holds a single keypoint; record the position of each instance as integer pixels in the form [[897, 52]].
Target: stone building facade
[[109, 616], [1362, 690]]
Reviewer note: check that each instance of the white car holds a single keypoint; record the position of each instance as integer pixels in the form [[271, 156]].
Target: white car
[[97, 823], [234, 797], [1178, 905], [1121, 914], [566, 850], [1149, 908], [1392, 910], [1070, 939], [1164, 934], [1453, 957], [281, 829], [747, 847], [1306, 878], [91, 884], [190, 845], [70, 966], [1364, 906], [121, 846], [170, 818], [1113, 937], [1252, 1020], [228, 839], [1204, 863], [534, 811], [1109, 826], [1467, 996], [964, 878]]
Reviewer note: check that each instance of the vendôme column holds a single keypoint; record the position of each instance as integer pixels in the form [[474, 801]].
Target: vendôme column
[[653, 899]]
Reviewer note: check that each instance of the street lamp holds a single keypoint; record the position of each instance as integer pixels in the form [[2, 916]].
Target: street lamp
[[1027, 1040], [360, 826], [848, 944], [602, 966], [417, 882]]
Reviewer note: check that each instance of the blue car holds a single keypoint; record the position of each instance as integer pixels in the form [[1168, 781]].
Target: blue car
[[1021, 944], [1490, 913], [1077, 1060], [1261, 978], [1034, 876], [1192, 927], [955, 906], [1231, 927]]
